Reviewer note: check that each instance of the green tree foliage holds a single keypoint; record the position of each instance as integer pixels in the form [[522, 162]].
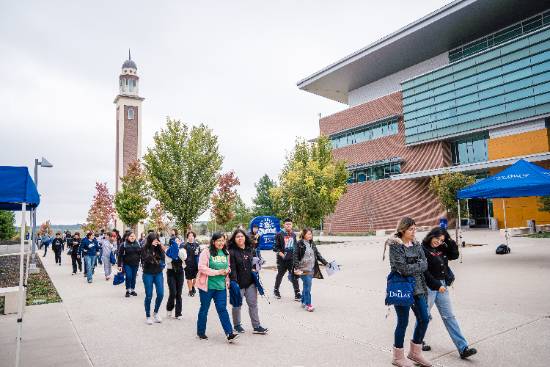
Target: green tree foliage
[[183, 166], [544, 203], [242, 215], [223, 199], [446, 187], [158, 220], [7, 225], [311, 183], [263, 203], [133, 197]]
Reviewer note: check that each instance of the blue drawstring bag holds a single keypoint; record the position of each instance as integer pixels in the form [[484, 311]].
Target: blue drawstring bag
[[119, 278], [235, 297], [400, 290], [112, 258]]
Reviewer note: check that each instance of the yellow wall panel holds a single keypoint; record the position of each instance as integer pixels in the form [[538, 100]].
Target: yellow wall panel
[[530, 142]]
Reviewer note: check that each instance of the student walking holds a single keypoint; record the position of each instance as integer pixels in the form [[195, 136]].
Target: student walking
[[192, 262], [45, 241], [175, 263], [284, 247], [407, 259], [212, 281], [439, 248], [241, 253], [129, 257], [88, 249], [306, 260], [57, 247], [153, 262], [108, 247], [74, 245]]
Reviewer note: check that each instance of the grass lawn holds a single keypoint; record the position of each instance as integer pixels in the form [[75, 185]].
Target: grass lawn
[[540, 235]]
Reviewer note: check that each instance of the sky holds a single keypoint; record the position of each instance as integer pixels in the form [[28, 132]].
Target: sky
[[232, 65]]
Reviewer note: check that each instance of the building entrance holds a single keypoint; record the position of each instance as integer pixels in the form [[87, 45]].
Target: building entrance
[[479, 211]]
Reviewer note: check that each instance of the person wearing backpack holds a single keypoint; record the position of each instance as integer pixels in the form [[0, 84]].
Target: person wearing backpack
[[285, 241], [129, 257], [57, 247], [439, 248], [108, 247], [175, 264], [408, 260]]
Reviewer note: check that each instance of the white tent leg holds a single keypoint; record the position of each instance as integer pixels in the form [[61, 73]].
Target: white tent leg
[[505, 223], [21, 289], [458, 228]]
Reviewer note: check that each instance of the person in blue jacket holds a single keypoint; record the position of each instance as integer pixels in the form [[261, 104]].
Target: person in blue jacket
[[88, 250]]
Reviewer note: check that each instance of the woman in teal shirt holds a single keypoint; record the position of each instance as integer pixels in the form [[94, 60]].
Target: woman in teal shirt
[[212, 281]]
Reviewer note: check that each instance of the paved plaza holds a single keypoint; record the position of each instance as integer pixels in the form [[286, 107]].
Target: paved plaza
[[501, 302]]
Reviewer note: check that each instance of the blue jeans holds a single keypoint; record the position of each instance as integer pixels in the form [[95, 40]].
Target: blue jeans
[[420, 309], [131, 274], [89, 263], [220, 300], [307, 281], [148, 281], [443, 303]]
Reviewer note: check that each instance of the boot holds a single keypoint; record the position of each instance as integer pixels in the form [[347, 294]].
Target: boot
[[415, 354], [399, 359]]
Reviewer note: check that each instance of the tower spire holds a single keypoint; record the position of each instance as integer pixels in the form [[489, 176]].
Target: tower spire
[[129, 55]]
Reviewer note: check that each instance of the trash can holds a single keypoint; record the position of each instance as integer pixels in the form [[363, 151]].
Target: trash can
[[443, 223], [532, 226]]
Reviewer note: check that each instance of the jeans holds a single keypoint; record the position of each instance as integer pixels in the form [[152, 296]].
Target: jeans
[[148, 281], [75, 259], [307, 281], [420, 309], [251, 296], [57, 252], [220, 300], [131, 274], [282, 267], [443, 303], [89, 262], [175, 285]]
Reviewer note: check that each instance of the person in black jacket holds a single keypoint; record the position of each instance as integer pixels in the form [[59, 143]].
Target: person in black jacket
[[439, 249], [57, 247], [74, 243], [241, 252], [192, 262], [306, 260], [128, 257], [153, 262], [284, 247]]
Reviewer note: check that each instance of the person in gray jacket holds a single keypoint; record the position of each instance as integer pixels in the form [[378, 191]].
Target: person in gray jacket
[[407, 258]]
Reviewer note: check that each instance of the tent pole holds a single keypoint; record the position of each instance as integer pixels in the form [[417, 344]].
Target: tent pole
[[458, 229], [505, 223], [21, 289]]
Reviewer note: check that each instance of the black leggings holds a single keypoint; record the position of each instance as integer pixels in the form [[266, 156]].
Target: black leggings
[[282, 267], [175, 285], [76, 261]]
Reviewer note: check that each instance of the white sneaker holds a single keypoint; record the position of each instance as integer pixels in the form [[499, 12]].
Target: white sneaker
[[179, 318], [149, 321], [156, 318], [168, 314]]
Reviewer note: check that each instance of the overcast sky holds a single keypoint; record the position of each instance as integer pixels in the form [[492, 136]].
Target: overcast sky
[[230, 64]]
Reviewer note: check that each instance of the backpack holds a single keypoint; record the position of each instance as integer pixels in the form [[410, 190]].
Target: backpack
[[502, 249], [400, 290]]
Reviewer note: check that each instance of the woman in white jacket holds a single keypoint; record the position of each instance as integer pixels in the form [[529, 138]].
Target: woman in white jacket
[[175, 263]]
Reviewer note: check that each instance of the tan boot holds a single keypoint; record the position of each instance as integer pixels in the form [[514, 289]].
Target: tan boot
[[415, 354], [399, 359]]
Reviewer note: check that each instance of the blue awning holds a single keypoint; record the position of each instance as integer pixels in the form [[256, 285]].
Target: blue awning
[[519, 180], [16, 188]]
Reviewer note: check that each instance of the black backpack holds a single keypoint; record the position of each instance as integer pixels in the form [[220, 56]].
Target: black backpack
[[502, 249]]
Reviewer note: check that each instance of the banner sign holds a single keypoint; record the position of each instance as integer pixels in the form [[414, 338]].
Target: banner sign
[[267, 229]]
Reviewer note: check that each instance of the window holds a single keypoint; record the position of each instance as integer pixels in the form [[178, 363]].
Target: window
[[470, 150], [373, 173], [365, 133], [130, 113]]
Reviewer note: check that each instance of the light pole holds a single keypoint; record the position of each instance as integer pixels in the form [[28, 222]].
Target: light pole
[[44, 163]]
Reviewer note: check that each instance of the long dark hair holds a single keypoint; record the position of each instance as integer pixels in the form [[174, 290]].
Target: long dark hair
[[247, 240], [149, 249], [212, 248], [433, 233]]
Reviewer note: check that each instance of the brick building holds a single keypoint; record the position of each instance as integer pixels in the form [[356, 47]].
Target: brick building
[[463, 89]]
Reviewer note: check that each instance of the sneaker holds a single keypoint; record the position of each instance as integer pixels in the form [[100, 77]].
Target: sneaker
[[193, 292], [180, 317], [133, 293], [127, 294], [202, 336], [277, 294], [239, 329], [298, 297], [426, 347], [260, 330], [468, 352], [89, 281], [168, 314], [149, 321], [190, 294], [231, 337], [156, 318], [73, 273], [310, 308]]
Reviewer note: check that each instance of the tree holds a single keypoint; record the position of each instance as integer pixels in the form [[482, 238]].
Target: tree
[[311, 183], [132, 199], [158, 221], [7, 225], [223, 200], [182, 167], [101, 212], [446, 187], [544, 203], [242, 214], [263, 203], [45, 228]]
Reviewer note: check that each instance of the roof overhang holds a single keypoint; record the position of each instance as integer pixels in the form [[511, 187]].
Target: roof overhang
[[472, 167], [438, 32]]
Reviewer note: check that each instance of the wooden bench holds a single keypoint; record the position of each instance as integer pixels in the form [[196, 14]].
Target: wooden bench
[[10, 295]]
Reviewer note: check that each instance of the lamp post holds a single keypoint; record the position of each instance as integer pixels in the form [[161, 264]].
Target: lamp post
[[46, 164]]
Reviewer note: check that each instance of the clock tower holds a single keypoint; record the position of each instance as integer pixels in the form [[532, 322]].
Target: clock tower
[[128, 123]]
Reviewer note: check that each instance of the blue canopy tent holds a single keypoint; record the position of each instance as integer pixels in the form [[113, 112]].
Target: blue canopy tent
[[18, 193], [519, 180]]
